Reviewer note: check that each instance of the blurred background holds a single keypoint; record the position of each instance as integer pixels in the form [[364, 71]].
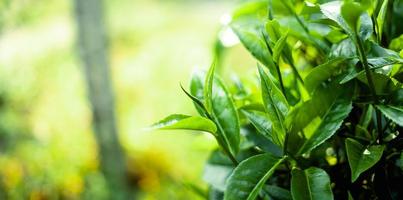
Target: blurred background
[[49, 147]]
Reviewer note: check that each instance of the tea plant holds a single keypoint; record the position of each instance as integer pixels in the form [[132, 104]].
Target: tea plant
[[328, 115]]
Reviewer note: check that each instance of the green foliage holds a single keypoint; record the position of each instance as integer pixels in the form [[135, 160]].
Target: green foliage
[[300, 139], [361, 157], [310, 184]]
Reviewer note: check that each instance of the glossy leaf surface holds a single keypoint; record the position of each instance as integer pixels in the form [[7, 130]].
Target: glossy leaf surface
[[249, 177], [177, 121]]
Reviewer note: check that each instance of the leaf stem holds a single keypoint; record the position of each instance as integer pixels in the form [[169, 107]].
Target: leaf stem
[[370, 80]]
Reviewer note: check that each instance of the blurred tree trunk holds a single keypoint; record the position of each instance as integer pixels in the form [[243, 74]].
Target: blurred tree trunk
[[94, 55]]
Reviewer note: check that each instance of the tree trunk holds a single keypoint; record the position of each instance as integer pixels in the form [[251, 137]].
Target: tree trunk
[[94, 55]]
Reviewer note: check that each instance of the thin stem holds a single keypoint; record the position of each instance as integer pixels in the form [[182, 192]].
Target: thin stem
[[280, 77], [371, 84]]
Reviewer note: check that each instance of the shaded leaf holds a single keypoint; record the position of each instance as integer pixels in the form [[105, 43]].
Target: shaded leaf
[[310, 184], [278, 193], [394, 113], [361, 157]]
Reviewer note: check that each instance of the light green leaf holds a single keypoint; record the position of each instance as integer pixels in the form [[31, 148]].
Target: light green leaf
[[208, 90], [361, 157], [332, 10], [177, 121], [255, 44], [323, 72], [279, 46], [222, 110], [197, 89], [310, 184], [351, 12], [329, 105], [381, 18], [331, 122], [276, 106], [249, 176], [394, 113]]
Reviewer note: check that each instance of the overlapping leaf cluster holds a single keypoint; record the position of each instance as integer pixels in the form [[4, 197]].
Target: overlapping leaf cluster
[[331, 109]]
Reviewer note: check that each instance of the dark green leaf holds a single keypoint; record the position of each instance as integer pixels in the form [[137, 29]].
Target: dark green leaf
[[361, 157], [178, 121], [394, 113], [260, 121], [278, 193], [310, 184], [249, 177]]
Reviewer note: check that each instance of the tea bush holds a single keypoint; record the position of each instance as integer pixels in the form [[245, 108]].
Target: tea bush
[[329, 111]]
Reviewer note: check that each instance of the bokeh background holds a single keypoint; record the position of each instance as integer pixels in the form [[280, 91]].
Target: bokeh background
[[47, 145]]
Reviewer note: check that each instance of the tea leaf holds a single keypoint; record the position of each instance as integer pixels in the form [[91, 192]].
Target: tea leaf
[[310, 184], [178, 121], [260, 121], [249, 176], [223, 112], [276, 106], [278, 48], [394, 113], [323, 72], [361, 157], [256, 46], [381, 18]]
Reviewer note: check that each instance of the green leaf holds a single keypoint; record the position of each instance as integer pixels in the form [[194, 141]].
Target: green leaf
[[381, 18], [327, 108], [323, 72], [278, 48], [278, 193], [249, 176], [260, 121], [276, 106], [222, 110], [310, 184], [332, 10], [375, 63], [394, 113], [331, 122], [177, 121], [255, 44], [208, 90], [361, 157], [197, 89], [351, 12]]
